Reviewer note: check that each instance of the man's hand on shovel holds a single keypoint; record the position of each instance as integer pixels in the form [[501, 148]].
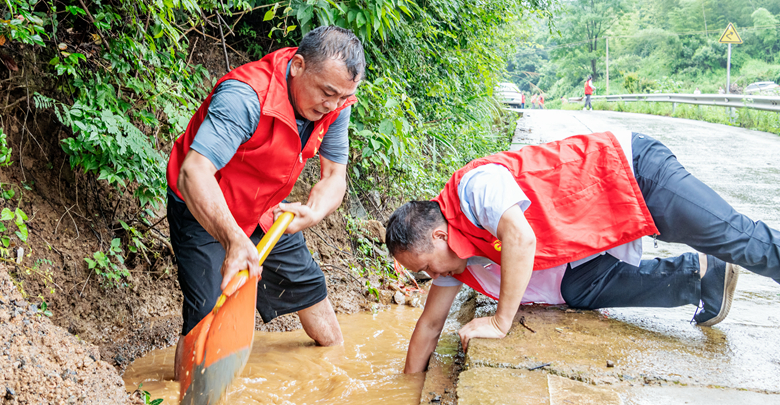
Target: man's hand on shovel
[[305, 217], [241, 254]]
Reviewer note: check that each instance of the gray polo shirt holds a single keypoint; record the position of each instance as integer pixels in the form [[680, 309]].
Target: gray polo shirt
[[232, 119]]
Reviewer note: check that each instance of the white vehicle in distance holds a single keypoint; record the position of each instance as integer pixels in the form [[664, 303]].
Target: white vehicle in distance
[[769, 88], [509, 94]]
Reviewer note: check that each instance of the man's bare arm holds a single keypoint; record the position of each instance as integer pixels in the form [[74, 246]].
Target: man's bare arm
[[518, 246], [426, 332], [325, 197], [205, 200]]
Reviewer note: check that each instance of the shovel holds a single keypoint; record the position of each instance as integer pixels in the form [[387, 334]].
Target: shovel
[[217, 348]]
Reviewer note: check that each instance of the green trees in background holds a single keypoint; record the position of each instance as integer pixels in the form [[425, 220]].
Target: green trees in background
[[119, 76], [654, 46]]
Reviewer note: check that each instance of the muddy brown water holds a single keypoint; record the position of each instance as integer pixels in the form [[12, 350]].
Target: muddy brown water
[[287, 368]]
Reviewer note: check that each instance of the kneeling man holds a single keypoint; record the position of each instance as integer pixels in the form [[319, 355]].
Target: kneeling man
[[562, 223]]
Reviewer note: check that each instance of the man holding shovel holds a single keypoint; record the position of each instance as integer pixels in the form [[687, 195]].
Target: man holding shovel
[[239, 158], [561, 223]]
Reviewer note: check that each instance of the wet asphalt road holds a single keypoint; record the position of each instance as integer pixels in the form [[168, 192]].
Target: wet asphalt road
[[743, 166]]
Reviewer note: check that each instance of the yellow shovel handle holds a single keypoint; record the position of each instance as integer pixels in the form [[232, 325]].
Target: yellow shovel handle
[[272, 236], [264, 247]]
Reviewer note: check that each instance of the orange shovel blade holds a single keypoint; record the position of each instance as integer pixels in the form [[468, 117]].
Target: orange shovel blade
[[222, 344], [217, 348]]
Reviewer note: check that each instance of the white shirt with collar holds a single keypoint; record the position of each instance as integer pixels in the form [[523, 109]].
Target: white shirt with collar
[[485, 194]]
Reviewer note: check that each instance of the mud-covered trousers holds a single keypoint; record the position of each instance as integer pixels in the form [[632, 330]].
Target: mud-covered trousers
[[684, 210]]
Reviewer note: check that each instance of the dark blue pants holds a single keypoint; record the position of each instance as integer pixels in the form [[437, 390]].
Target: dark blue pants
[[685, 210]]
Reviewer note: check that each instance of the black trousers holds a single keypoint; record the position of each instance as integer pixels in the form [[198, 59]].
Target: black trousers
[[684, 210], [291, 280]]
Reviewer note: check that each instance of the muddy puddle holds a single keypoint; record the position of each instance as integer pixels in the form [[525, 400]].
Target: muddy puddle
[[287, 368]]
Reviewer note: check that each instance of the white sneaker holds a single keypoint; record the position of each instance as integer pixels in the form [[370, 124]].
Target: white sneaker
[[583, 108]]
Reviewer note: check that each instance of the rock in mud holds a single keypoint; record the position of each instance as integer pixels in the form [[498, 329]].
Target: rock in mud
[[399, 298]]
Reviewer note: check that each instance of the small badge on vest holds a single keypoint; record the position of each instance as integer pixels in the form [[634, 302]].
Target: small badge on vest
[[497, 245]]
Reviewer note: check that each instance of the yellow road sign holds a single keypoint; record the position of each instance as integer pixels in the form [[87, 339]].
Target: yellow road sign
[[730, 36]]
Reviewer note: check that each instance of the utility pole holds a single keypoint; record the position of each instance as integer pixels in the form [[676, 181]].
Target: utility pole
[[707, 34], [728, 72], [607, 65]]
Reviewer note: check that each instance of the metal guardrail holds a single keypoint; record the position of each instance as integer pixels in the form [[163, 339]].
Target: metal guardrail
[[765, 103]]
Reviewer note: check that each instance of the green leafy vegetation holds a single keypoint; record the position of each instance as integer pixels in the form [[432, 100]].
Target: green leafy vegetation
[[655, 46], [371, 259], [5, 151], [147, 397], [126, 87], [119, 79], [760, 120], [110, 266], [19, 218], [43, 309]]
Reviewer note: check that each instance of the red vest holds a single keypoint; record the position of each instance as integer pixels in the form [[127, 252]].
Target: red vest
[[588, 88], [584, 200], [264, 169]]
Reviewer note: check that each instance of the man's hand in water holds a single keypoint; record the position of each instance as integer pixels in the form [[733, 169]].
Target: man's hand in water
[[481, 328]]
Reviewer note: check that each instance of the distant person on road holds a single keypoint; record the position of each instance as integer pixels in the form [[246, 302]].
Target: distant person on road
[[697, 91], [541, 101], [588, 92], [721, 91], [240, 156], [562, 223], [522, 100], [533, 101]]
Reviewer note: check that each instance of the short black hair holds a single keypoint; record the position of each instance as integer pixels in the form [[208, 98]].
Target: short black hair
[[331, 42], [409, 226]]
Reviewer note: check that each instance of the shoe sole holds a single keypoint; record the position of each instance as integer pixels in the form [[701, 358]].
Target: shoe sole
[[729, 286]]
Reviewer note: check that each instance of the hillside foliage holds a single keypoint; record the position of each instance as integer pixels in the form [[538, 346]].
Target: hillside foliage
[[124, 88], [654, 46]]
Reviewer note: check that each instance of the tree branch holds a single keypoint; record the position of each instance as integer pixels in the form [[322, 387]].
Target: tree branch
[[92, 19]]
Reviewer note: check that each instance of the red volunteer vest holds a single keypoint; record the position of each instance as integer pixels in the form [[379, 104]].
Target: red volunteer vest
[[584, 200], [588, 88], [264, 169]]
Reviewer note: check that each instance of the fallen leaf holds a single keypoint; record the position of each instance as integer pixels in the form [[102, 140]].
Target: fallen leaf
[[2, 40], [8, 62]]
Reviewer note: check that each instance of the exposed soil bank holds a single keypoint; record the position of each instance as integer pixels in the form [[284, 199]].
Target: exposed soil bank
[[43, 363]]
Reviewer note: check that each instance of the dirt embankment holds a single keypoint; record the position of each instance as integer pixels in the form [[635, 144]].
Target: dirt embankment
[[72, 216], [43, 363]]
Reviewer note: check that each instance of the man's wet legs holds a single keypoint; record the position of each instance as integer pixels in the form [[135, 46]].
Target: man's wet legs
[[320, 323]]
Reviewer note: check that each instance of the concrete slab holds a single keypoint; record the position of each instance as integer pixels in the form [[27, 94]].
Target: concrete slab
[[579, 345], [447, 360], [694, 395], [443, 371], [564, 391], [497, 386]]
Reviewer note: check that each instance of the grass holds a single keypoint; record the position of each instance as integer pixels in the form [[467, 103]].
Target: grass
[[766, 121]]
